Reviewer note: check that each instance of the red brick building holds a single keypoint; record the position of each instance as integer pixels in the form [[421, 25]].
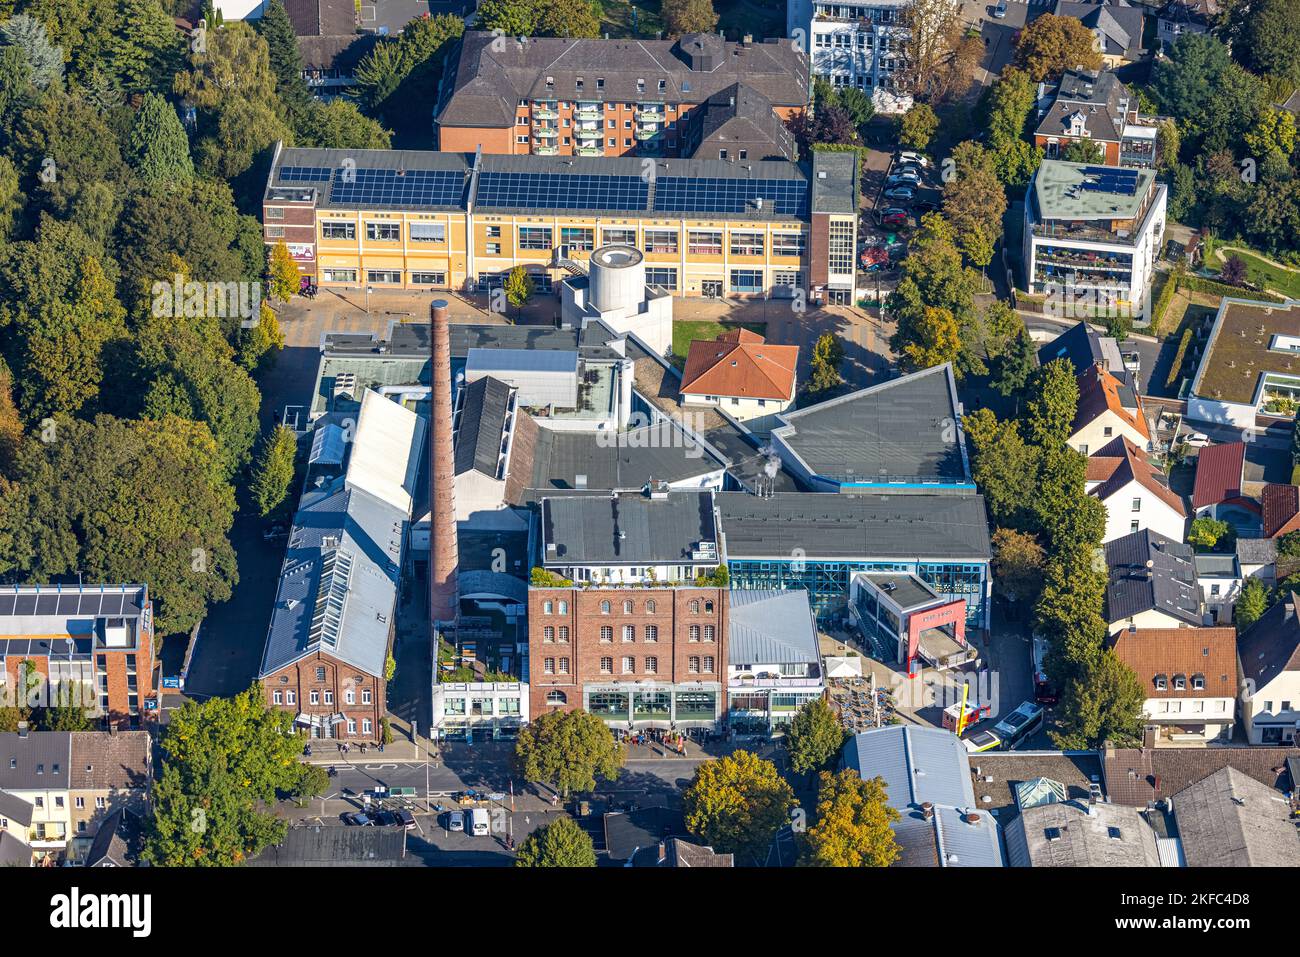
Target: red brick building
[[639, 657], [79, 637]]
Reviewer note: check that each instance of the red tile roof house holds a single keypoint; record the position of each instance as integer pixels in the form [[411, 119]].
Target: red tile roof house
[[1136, 493], [1219, 473], [741, 374], [1108, 408], [1281, 507], [1189, 676]]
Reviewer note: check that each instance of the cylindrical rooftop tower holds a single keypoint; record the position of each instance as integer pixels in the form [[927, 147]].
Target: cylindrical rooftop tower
[[617, 277]]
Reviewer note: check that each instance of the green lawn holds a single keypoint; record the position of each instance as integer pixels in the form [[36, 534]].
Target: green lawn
[[1263, 273], [616, 19], [686, 331], [762, 20]]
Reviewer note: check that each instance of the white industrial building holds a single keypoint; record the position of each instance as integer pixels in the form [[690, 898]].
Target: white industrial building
[[614, 292]]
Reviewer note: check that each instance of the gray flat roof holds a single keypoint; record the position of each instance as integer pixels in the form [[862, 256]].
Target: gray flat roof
[[904, 430], [862, 527], [771, 627], [1059, 188], [628, 529], [907, 591]]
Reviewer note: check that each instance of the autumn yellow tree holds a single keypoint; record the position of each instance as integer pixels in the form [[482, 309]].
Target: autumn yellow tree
[[853, 826], [1051, 44], [935, 339]]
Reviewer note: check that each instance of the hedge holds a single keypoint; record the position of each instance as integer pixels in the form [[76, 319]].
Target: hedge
[[1162, 304], [1201, 284], [1179, 358]]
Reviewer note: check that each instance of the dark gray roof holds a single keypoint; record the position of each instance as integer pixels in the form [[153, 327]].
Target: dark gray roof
[[1100, 98], [904, 430], [487, 80], [662, 452], [741, 116], [13, 852], [1119, 23], [861, 527], [118, 841], [336, 525], [907, 591], [336, 846], [639, 829], [38, 761], [834, 182], [771, 627], [628, 529], [1080, 345], [1216, 566], [484, 406], [1271, 646], [1077, 834], [591, 343], [15, 808], [1168, 585], [1257, 551], [1231, 820]]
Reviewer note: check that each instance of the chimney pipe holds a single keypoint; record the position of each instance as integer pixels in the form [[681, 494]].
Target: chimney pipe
[[22, 729], [927, 811], [444, 598]]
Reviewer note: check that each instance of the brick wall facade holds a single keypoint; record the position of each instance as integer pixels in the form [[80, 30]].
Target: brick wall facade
[[676, 612], [300, 680]]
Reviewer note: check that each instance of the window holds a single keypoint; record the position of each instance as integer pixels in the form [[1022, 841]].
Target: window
[[315, 697], [708, 633], [695, 633], [722, 154], [548, 634], [606, 666], [428, 232], [662, 276], [274, 212], [494, 232], [350, 696], [384, 277], [578, 237], [746, 244], [604, 607], [1137, 504], [339, 275], [548, 666], [693, 665], [660, 240], [626, 237], [365, 726], [650, 607], [1198, 682], [428, 279], [704, 243], [492, 249], [277, 697], [81, 804], [629, 665], [58, 801], [652, 633], [1134, 525], [564, 608], [1180, 682], [100, 803], [1108, 431], [291, 697], [534, 237], [564, 666], [708, 608], [272, 232], [695, 607], [564, 635], [627, 608], [629, 633], [1162, 683], [384, 232], [329, 697], [746, 280], [606, 633], [365, 696], [352, 725], [840, 246], [708, 664], [320, 674], [652, 665], [787, 244], [548, 608]]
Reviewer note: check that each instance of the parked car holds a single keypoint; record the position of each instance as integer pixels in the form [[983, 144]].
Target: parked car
[[907, 175], [925, 206], [893, 217], [357, 819], [385, 818], [900, 192], [981, 741], [907, 156], [1019, 724], [405, 819], [479, 822], [1000, 9], [1197, 440], [455, 820]]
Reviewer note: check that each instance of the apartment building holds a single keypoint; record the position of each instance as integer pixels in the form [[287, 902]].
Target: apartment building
[[1092, 236], [1189, 678], [1094, 107], [79, 636], [557, 96], [391, 219], [858, 45]]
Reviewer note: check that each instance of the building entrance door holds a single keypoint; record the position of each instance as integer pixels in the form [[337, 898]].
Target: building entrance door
[[711, 288]]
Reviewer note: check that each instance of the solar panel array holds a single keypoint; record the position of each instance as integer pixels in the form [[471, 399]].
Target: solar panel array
[[81, 604], [561, 191], [388, 187], [706, 194], [1109, 179], [304, 174]]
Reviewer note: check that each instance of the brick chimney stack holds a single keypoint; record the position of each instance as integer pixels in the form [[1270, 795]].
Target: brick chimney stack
[[444, 600]]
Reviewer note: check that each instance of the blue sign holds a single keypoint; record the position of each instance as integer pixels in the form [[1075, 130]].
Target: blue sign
[[171, 683]]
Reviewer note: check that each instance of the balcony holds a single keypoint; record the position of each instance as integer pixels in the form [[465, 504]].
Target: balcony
[[590, 133], [1078, 232], [646, 132], [650, 112], [545, 132], [588, 113], [545, 113], [545, 150], [589, 151]]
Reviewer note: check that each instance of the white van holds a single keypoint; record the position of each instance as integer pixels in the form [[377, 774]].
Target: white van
[[479, 822]]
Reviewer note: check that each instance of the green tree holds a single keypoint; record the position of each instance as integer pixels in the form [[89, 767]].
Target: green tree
[[144, 48], [518, 287], [1101, 704], [854, 824], [340, 125], [1014, 367], [917, 127], [224, 762], [73, 708], [1251, 604], [1004, 467], [1018, 562], [934, 278], [1012, 100], [1053, 401], [828, 353], [1083, 151], [579, 19], [1274, 132], [689, 16], [273, 470], [1206, 532], [814, 737], [1265, 38], [1052, 44], [44, 60], [277, 30], [160, 150], [933, 339], [558, 844], [514, 18], [282, 275], [313, 781], [736, 804], [974, 203], [568, 750]]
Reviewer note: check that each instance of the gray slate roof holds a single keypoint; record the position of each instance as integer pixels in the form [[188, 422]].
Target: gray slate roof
[[13, 852], [1257, 551], [38, 762], [902, 430], [1169, 585], [351, 522], [1097, 96], [742, 116], [1076, 834], [628, 529], [15, 808], [322, 846], [1119, 23], [771, 627], [485, 403], [855, 527], [1271, 646], [1231, 820]]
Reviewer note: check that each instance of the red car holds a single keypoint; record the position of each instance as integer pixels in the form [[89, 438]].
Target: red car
[[894, 217]]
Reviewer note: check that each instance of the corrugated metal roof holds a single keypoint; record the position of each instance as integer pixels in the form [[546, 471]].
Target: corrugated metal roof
[[771, 627], [918, 765], [1219, 470]]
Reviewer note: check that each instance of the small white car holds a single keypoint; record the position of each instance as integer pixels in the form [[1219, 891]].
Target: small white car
[[455, 820], [908, 156], [900, 192], [1197, 440]]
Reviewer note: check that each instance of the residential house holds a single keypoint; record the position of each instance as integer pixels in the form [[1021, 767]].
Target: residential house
[[1220, 475], [1107, 409], [737, 124], [1179, 17], [1281, 510], [1257, 558], [740, 373], [1269, 656], [1084, 347], [1117, 25], [1151, 583], [679, 852], [1136, 493], [928, 781], [1246, 367], [1220, 579], [1190, 680], [1229, 819], [333, 40], [1142, 777], [119, 840], [774, 662], [1081, 834], [1090, 107]]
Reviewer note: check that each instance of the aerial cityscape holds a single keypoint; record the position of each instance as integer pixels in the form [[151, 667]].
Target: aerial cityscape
[[594, 434]]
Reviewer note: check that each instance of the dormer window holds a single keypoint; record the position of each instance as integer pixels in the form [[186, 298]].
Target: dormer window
[[600, 83], [663, 85], [1198, 682], [1180, 682], [1162, 683], [578, 82]]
